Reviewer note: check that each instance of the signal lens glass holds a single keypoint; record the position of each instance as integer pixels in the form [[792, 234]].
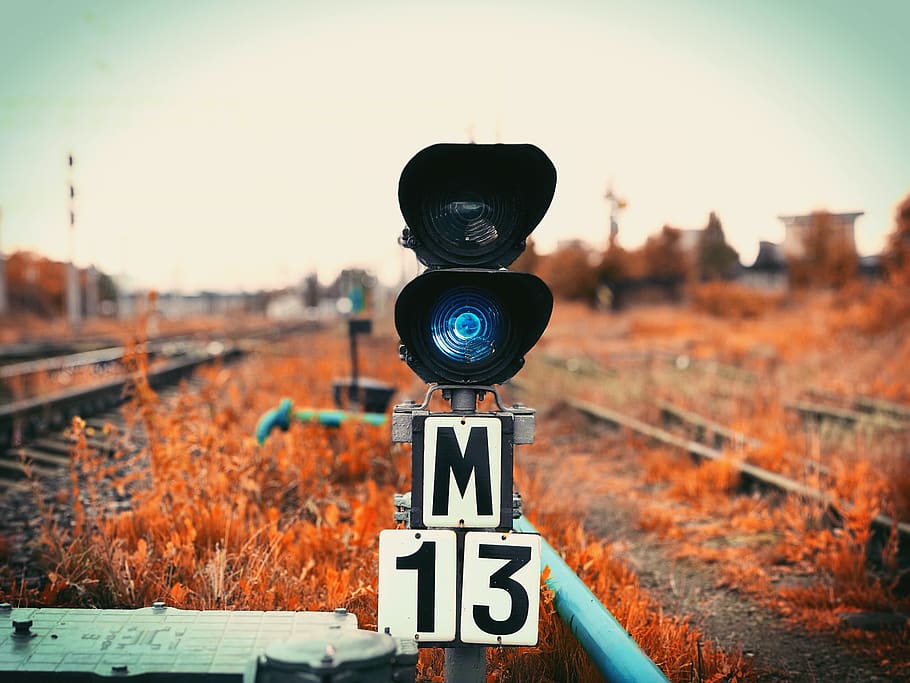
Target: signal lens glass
[[468, 223], [467, 325]]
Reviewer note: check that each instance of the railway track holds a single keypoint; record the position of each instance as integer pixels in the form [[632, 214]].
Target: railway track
[[37, 442], [705, 439], [176, 357], [25, 420]]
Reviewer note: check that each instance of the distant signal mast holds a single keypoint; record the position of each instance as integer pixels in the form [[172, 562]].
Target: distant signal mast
[[4, 303], [617, 204], [73, 300]]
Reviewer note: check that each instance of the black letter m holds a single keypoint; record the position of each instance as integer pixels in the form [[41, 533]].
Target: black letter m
[[476, 459]]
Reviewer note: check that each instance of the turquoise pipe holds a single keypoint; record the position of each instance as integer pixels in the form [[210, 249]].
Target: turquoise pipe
[[333, 418], [281, 417], [614, 653]]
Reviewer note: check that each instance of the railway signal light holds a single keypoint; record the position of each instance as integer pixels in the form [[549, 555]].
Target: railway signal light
[[469, 210], [465, 324]]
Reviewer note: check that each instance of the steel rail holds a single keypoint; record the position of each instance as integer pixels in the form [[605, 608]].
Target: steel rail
[[704, 426], [176, 345], [74, 360], [33, 416], [722, 434], [867, 405], [858, 419], [882, 523]]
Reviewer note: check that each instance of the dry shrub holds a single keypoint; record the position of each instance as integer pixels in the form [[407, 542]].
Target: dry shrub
[[897, 476], [875, 309], [708, 479], [570, 272], [737, 576], [661, 521], [827, 257], [789, 554], [756, 543], [771, 454], [879, 308], [896, 255], [661, 321], [730, 300], [660, 464], [217, 521], [843, 579]]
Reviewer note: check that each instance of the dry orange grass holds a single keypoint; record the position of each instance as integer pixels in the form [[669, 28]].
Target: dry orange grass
[[730, 300], [743, 373], [784, 551], [219, 522]]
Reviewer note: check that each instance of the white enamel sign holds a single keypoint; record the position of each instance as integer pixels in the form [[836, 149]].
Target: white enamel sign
[[417, 584], [462, 471], [501, 588]]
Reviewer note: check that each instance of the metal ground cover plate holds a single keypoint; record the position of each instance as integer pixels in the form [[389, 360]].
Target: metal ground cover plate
[[159, 640]]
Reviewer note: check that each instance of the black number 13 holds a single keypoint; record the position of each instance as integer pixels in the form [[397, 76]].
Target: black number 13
[[423, 560]]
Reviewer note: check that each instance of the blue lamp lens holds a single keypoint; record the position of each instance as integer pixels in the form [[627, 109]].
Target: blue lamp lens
[[466, 325]]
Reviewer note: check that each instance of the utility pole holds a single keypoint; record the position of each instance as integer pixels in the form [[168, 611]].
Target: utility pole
[[4, 302], [73, 299]]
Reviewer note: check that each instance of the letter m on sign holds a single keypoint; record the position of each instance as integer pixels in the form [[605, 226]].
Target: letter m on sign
[[462, 476]]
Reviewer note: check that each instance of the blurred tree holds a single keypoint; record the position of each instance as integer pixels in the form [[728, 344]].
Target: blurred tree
[[897, 251], [311, 290], [615, 265], [35, 284], [107, 289], [715, 259], [615, 269], [663, 256], [570, 271], [828, 257], [38, 285]]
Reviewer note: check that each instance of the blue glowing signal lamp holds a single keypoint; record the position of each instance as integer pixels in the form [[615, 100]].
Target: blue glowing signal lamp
[[469, 325]]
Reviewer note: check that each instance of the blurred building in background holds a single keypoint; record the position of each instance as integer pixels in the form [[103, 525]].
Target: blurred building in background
[[797, 230]]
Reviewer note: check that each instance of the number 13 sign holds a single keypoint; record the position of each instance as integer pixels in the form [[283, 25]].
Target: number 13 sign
[[499, 591]]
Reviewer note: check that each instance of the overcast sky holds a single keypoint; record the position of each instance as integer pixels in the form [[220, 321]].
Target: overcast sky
[[241, 145]]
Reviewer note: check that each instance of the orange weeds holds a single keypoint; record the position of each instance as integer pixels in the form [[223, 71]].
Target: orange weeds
[[218, 522]]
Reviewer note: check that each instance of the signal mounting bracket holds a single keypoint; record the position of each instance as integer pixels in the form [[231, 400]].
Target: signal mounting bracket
[[403, 413]]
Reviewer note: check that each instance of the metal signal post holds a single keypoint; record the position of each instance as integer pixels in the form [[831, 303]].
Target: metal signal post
[[458, 576]]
